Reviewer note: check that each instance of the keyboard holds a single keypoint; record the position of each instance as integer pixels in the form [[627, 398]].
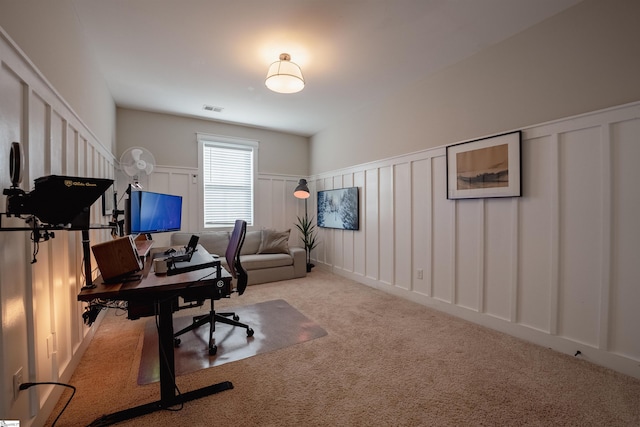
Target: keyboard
[[196, 260], [180, 254]]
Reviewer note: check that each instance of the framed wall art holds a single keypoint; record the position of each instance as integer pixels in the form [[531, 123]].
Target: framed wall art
[[487, 167], [339, 209]]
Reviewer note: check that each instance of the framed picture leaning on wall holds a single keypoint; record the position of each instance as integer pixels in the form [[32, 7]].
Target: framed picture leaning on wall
[[487, 167]]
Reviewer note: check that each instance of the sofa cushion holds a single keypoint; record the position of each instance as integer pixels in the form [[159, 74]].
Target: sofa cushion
[[257, 262], [215, 242], [274, 242], [251, 242]]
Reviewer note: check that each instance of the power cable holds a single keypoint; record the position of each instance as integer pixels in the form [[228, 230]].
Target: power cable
[[25, 386]]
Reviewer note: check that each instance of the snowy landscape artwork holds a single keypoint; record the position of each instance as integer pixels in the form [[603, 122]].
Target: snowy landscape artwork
[[339, 208]]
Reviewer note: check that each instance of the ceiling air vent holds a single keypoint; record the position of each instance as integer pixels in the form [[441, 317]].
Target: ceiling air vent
[[212, 108]]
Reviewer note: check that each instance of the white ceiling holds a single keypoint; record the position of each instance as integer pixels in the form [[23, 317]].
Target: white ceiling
[[175, 56]]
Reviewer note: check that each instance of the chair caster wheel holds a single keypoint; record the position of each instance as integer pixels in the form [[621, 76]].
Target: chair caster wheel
[[236, 317], [249, 332], [213, 350], [176, 342]]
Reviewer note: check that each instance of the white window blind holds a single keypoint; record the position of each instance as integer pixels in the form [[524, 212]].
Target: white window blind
[[227, 183]]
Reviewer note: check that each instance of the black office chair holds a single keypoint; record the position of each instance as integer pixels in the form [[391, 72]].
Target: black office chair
[[239, 274]]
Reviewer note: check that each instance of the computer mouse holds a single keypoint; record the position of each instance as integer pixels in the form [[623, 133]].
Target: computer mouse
[[169, 251]]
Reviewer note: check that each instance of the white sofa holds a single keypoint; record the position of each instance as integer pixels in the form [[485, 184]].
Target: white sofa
[[265, 254]]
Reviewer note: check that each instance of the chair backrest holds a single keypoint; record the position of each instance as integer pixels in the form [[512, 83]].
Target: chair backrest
[[232, 255]]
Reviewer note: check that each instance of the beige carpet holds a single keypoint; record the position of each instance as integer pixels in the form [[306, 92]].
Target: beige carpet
[[384, 362], [275, 323]]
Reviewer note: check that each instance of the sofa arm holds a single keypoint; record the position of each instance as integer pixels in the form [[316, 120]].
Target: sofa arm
[[299, 261]]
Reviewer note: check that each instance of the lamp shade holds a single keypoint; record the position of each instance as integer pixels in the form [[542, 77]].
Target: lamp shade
[[284, 76], [301, 191]]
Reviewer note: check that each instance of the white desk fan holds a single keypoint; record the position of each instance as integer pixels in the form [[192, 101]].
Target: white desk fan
[[137, 163]]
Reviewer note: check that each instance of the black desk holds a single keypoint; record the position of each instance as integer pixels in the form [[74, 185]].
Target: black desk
[[158, 295]]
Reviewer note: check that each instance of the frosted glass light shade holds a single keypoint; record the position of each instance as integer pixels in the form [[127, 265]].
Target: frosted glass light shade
[[284, 76]]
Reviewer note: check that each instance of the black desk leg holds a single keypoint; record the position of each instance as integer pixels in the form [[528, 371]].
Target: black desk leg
[[166, 358], [165, 351]]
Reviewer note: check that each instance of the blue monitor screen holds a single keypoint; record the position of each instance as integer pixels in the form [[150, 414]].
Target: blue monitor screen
[[154, 212]]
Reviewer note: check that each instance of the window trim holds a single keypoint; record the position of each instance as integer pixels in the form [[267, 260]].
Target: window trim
[[230, 142]]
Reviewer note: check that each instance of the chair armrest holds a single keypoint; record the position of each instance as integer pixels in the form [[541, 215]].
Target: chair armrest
[[299, 261]]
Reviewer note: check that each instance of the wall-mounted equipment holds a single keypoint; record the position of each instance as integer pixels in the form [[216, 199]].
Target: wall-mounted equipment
[[56, 203], [56, 200]]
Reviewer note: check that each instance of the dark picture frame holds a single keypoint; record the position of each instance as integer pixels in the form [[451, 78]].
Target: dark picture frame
[[339, 209], [484, 168]]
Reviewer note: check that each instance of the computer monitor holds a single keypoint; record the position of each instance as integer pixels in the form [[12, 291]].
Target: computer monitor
[[150, 212]]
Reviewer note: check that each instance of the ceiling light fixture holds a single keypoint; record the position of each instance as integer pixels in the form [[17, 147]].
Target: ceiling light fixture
[[284, 76]]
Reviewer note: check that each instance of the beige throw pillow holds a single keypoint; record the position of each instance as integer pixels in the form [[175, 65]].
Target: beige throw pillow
[[274, 242]]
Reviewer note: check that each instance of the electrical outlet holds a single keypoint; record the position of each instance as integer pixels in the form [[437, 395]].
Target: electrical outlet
[[420, 273], [17, 381]]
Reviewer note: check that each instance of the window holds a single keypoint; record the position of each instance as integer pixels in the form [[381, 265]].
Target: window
[[228, 171]]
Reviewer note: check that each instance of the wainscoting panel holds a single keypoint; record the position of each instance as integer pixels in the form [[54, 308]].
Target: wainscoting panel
[[279, 196], [444, 238], [39, 282], [58, 131], [348, 237], [469, 250], [337, 236], [359, 238], [499, 257], [386, 249], [420, 225], [581, 192], [264, 192], [625, 235], [557, 266], [323, 236], [402, 226], [371, 223], [533, 292]]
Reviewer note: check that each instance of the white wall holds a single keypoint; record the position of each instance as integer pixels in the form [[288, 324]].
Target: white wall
[[583, 59], [558, 266], [41, 320], [51, 36], [172, 140], [282, 160]]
